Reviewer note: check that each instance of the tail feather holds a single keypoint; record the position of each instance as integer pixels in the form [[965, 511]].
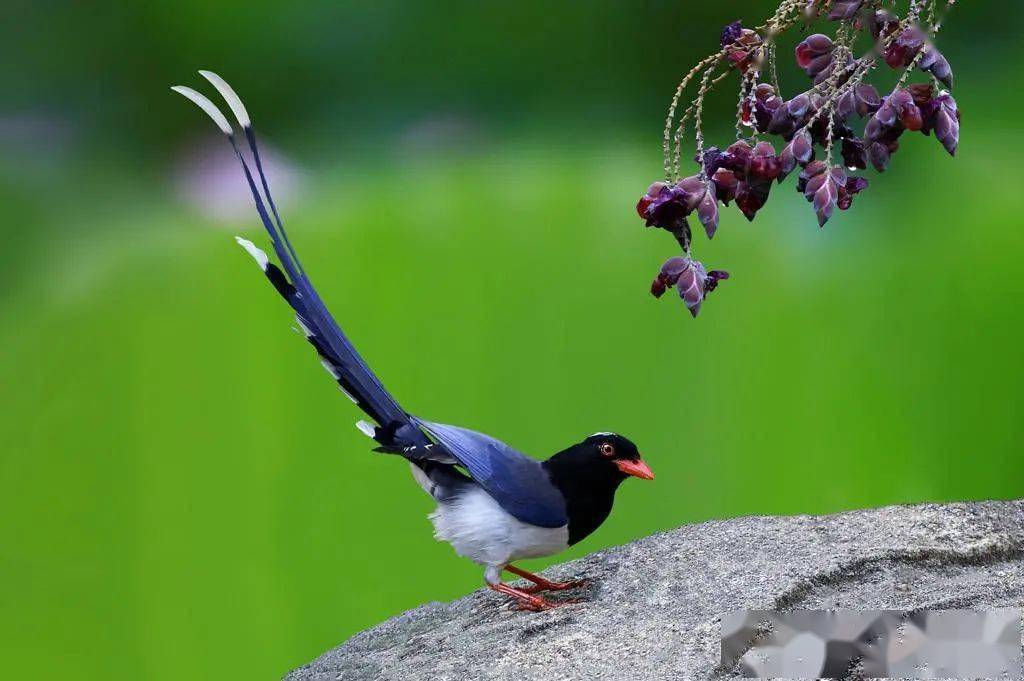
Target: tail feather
[[353, 375]]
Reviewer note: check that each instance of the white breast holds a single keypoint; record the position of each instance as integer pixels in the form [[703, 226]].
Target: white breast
[[481, 530]]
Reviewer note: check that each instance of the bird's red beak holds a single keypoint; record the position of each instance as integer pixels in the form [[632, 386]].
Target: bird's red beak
[[638, 468]]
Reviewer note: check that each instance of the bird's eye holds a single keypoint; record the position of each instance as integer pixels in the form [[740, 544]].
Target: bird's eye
[[607, 450]]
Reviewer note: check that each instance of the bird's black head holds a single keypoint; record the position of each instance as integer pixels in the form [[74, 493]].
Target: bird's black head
[[612, 455], [588, 473]]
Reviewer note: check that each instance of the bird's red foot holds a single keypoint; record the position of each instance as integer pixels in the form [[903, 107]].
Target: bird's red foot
[[523, 599], [555, 586], [542, 584]]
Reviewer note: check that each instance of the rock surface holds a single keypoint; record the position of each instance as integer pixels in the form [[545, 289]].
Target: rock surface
[[652, 608]]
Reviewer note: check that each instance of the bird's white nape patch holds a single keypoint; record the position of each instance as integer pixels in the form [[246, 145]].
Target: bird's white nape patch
[[230, 96], [366, 429], [261, 258], [206, 105], [602, 434]]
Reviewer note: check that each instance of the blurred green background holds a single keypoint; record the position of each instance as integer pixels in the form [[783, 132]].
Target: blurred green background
[[184, 495]]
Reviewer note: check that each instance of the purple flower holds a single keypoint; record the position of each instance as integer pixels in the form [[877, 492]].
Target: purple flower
[[731, 33], [882, 23], [866, 100], [822, 190], [744, 48], [826, 73], [921, 93], [904, 48], [663, 206], [736, 157], [902, 101], [854, 185], [934, 63], [725, 182], [765, 104], [813, 169], [751, 197], [898, 112], [821, 186], [707, 210], [855, 153], [713, 159], [792, 115], [691, 280], [668, 207], [880, 154], [760, 166], [763, 165], [799, 151], [814, 53], [942, 116], [844, 10]]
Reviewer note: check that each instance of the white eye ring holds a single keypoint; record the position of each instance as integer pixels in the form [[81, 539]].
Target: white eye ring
[[607, 450]]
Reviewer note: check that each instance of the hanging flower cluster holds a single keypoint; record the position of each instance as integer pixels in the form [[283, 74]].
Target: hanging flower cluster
[[839, 114]]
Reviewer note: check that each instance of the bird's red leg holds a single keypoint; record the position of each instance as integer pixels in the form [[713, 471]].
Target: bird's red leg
[[524, 599], [541, 584]]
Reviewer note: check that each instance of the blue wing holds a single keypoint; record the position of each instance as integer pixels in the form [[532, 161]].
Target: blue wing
[[519, 483]]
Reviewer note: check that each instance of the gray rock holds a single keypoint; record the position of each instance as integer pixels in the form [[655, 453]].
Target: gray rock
[[652, 608]]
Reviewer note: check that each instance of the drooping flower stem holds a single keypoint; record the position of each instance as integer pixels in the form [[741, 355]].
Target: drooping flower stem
[[746, 100], [772, 65], [670, 119], [698, 128], [690, 110]]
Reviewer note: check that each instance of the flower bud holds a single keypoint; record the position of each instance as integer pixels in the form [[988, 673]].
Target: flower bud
[[707, 210], [751, 197], [855, 154], [691, 280], [799, 151], [844, 10], [731, 33], [663, 206], [901, 51], [867, 100], [934, 63], [764, 164], [725, 182], [814, 53], [854, 186], [823, 192], [942, 116], [882, 23], [879, 155], [766, 103]]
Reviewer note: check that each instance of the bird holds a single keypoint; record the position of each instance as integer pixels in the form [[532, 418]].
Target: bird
[[494, 504]]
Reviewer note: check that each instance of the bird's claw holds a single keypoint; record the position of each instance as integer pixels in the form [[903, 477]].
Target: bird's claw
[[545, 604], [556, 586]]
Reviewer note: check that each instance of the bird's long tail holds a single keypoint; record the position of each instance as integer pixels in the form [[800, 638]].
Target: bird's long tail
[[338, 356]]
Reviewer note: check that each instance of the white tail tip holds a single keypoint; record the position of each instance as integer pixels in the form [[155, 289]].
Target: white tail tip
[[206, 105], [261, 258], [230, 96], [366, 429]]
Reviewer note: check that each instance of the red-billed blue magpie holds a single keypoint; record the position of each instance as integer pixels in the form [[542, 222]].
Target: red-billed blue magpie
[[494, 504]]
